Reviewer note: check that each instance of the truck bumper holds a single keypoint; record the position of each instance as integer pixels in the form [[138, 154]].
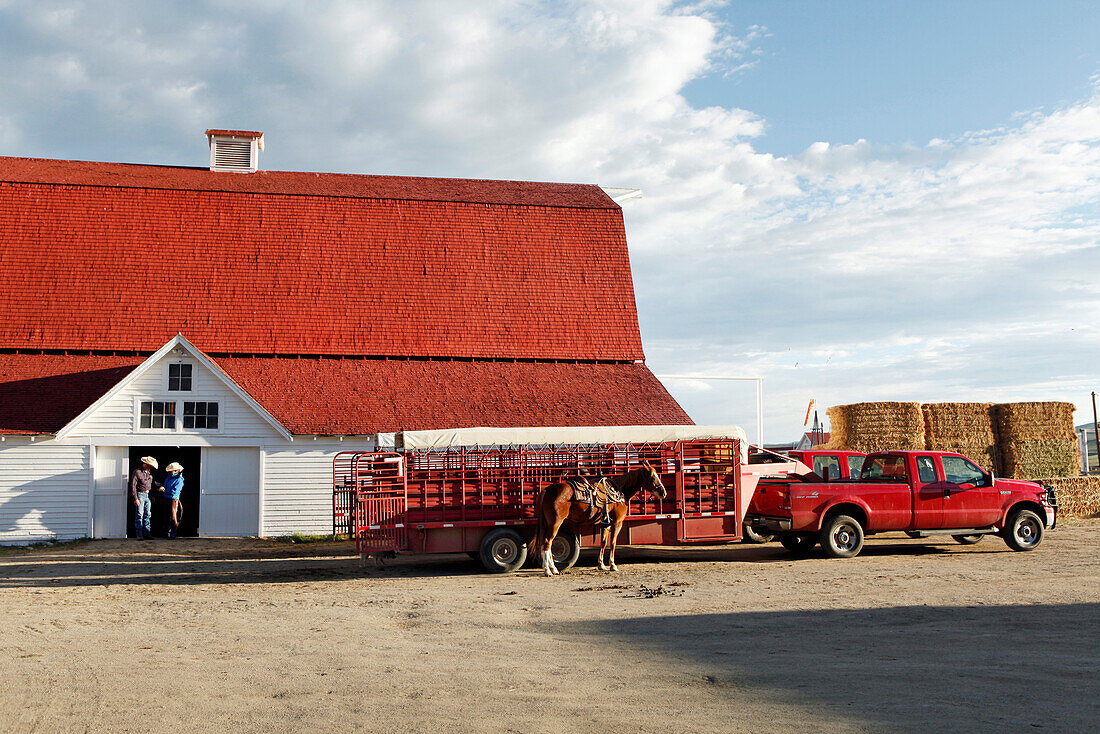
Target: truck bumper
[[1052, 517], [765, 523]]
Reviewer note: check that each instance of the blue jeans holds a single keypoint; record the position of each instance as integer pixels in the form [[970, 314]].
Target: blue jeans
[[143, 516]]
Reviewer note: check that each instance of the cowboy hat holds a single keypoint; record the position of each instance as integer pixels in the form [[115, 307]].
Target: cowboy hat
[[150, 461], [174, 466]]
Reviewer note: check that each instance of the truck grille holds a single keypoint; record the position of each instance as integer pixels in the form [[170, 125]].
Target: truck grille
[[1052, 498]]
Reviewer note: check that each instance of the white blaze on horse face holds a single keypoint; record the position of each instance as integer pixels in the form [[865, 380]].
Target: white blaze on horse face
[[658, 485]]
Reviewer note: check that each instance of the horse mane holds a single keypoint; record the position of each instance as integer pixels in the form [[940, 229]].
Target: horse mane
[[630, 482]]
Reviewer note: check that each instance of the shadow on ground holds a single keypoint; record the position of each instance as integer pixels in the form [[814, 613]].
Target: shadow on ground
[[192, 561], [983, 668]]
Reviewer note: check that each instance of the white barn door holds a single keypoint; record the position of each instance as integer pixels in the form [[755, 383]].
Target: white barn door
[[109, 500], [230, 501]]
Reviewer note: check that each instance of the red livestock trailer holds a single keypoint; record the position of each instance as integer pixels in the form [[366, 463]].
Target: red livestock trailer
[[481, 500]]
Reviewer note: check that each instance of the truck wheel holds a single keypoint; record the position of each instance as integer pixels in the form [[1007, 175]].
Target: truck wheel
[[799, 544], [750, 535], [968, 539], [503, 550], [565, 549], [842, 537], [1024, 531]]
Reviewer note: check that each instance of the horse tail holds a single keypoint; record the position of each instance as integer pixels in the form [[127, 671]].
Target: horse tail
[[540, 523]]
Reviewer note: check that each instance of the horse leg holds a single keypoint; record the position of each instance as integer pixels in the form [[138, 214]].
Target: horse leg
[[546, 539], [614, 539], [603, 544], [548, 555]]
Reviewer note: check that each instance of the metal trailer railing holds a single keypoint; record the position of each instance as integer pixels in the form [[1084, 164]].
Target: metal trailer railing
[[421, 492]]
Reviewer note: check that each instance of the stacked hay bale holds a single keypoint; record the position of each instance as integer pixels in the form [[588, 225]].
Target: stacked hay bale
[[1036, 440], [876, 426], [963, 427], [1077, 496]]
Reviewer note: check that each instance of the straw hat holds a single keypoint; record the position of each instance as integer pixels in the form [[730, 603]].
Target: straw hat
[[174, 466], [150, 461]]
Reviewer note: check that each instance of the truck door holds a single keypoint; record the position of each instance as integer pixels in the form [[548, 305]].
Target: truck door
[[971, 500], [928, 489]]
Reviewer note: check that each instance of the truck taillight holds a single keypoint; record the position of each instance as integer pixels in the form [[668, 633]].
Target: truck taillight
[[784, 499]]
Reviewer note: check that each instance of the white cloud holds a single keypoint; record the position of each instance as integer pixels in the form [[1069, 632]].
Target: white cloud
[[963, 268]]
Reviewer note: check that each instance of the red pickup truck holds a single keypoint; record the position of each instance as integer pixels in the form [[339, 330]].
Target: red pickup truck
[[920, 493]]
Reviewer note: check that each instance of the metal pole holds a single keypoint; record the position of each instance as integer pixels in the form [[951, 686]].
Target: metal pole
[[1095, 437], [760, 412]]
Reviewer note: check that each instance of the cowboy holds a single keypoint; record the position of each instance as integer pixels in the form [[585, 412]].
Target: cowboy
[[173, 487], [141, 482]]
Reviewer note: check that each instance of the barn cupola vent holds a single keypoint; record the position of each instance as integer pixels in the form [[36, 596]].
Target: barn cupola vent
[[235, 150]]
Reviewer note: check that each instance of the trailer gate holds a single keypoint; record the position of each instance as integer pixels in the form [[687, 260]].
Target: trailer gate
[[442, 500]]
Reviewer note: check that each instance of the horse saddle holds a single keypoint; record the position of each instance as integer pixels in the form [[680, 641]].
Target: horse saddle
[[600, 494]]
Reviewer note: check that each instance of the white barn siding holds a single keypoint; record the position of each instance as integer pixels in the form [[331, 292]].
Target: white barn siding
[[118, 416], [297, 487], [44, 491]]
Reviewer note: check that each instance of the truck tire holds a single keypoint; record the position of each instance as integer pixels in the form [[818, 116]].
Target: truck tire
[[749, 535], [798, 543], [503, 550], [842, 536], [1024, 531], [968, 539]]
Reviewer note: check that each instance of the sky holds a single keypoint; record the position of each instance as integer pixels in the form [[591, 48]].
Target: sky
[[853, 200]]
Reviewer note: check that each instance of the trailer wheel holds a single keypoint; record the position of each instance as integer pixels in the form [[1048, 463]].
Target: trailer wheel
[[799, 544], [1024, 531], [750, 535], [503, 550], [842, 537], [968, 539]]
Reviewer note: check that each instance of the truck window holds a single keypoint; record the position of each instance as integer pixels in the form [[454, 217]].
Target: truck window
[[855, 463], [827, 462], [959, 471], [926, 470], [884, 469]]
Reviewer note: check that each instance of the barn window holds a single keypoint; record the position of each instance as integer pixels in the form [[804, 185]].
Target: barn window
[[179, 377], [157, 414], [200, 415]]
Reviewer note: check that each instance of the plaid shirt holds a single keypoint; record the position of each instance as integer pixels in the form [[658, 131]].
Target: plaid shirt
[[141, 481]]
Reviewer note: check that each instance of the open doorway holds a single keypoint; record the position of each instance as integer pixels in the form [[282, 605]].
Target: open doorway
[[189, 457]]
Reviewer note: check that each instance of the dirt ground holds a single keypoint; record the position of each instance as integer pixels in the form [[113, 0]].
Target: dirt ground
[[254, 635]]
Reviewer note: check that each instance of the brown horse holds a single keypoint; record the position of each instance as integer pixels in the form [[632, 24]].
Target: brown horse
[[556, 504]]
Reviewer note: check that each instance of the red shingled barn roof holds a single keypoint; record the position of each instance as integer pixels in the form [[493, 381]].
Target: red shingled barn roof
[[122, 257], [324, 396], [41, 393], [462, 276]]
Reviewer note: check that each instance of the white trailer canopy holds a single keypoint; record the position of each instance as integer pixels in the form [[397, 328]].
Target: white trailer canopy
[[566, 435]]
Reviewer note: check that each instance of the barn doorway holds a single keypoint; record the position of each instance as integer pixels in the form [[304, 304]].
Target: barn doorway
[[189, 457]]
